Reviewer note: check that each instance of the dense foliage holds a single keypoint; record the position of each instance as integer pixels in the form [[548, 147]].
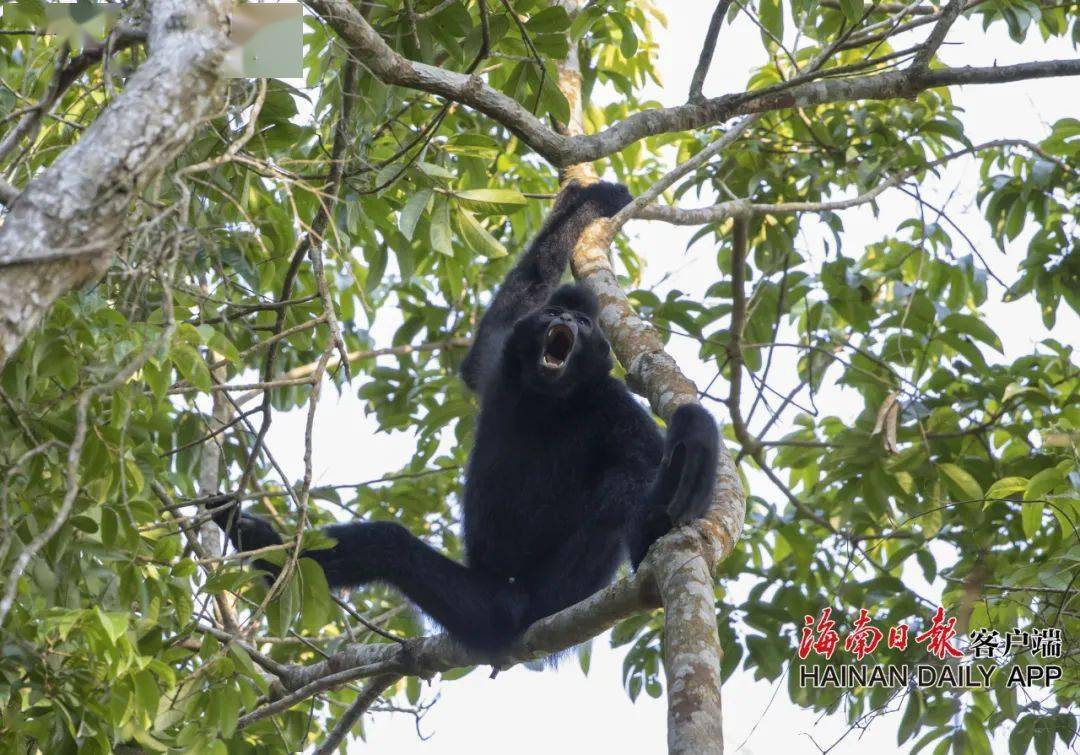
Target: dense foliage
[[961, 467]]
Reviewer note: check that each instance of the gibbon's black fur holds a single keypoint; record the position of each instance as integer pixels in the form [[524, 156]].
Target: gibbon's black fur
[[569, 474]]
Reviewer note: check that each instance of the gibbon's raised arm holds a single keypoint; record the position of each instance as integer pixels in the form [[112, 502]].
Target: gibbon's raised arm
[[531, 281]]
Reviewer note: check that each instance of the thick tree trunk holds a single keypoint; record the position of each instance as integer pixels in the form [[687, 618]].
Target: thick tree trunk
[[65, 227], [684, 561]]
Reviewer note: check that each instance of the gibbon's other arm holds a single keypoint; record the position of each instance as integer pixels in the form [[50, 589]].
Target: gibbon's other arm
[[537, 273]]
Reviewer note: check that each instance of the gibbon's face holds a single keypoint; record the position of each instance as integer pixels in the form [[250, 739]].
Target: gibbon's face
[[559, 346]]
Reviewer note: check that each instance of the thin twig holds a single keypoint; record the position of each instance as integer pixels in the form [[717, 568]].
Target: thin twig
[[707, 50]]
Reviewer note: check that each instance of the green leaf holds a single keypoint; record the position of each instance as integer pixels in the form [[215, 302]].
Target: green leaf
[[228, 580], [584, 654], [909, 724], [1044, 737], [434, 171], [977, 739], [228, 712], [771, 15], [282, 610], [1005, 487], [317, 608], [411, 212], [1031, 517], [440, 228], [549, 21], [553, 101], [114, 624], [963, 481], [491, 201], [84, 524], [628, 43], [1042, 483], [147, 693], [1066, 727], [1015, 389], [852, 9], [191, 366], [477, 237], [973, 326]]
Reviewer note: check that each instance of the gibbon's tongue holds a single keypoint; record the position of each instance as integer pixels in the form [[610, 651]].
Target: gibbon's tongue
[[557, 345]]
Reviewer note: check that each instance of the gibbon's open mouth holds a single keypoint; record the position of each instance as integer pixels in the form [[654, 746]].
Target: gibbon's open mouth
[[557, 346]]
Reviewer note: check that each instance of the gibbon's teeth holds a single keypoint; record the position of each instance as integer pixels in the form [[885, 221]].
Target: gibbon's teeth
[[558, 343]]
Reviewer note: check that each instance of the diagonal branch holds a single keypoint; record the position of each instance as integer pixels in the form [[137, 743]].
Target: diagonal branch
[[649, 196], [368, 695], [936, 39], [708, 48], [686, 556]]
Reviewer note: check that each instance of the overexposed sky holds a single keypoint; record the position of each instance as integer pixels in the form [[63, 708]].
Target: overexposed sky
[[564, 711]]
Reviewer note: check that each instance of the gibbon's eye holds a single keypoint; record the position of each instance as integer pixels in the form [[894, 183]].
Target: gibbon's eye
[[552, 311], [584, 321]]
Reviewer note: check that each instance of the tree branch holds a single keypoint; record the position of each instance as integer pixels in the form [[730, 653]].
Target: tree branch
[[724, 210], [392, 68], [708, 48], [933, 42], [647, 197], [564, 150], [427, 656], [371, 692], [66, 226], [685, 557]]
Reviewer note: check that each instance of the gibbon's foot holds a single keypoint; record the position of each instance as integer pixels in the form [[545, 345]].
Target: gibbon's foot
[[694, 442]]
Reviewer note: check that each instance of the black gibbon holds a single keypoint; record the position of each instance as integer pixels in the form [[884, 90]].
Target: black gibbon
[[568, 477]]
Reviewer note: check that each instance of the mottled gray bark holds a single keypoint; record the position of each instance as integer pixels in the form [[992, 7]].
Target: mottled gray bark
[[680, 565], [683, 560], [210, 463], [66, 225]]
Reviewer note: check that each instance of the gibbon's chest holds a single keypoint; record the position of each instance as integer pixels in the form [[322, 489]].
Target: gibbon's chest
[[532, 477], [543, 457]]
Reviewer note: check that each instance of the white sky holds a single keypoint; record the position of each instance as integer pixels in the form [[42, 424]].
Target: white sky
[[529, 712]]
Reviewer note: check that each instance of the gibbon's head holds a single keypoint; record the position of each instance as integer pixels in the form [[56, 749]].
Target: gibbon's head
[[560, 346]]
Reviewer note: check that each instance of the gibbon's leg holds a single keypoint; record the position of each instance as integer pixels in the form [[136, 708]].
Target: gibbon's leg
[[578, 567], [682, 490], [474, 607]]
